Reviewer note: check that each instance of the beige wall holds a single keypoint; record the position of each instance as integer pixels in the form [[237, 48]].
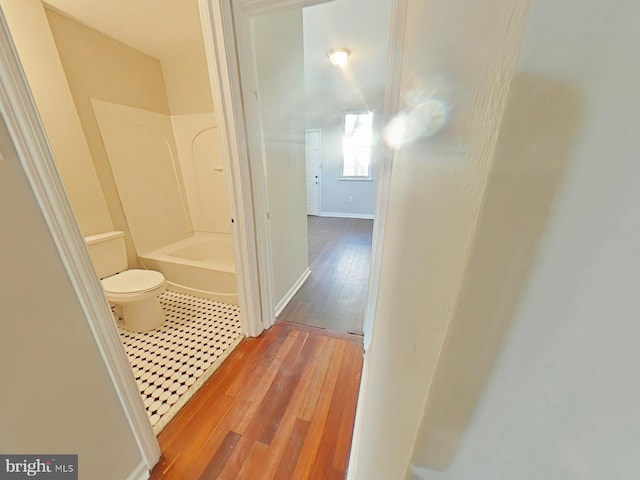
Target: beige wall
[[437, 187], [57, 396], [280, 72], [35, 44], [187, 80], [100, 67]]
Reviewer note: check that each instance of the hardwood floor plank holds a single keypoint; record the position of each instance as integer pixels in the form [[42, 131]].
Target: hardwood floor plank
[[213, 442], [197, 431], [221, 456], [252, 468], [282, 390], [287, 463], [278, 449], [350, 385], [258, 386], [357, 339], [295, 390], [246, 405], [307, 407], [236, 461], [334, 295], [325, 453], [273, 401], [223, 377], [257, 364], [312, 442]]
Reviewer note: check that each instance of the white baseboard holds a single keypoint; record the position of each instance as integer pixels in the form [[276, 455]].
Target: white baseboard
[[141, 472], [366, 216], [292, 291]]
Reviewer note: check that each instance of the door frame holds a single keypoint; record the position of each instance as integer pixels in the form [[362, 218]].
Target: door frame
[[20, 112], [228, 46], [223, 55], [319, 177], [226, 26]]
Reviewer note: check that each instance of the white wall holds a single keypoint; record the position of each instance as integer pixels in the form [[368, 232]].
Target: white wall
[[562, 399], [280, 73], [57, 396], [345, 197], [330, 91], [437, 185]]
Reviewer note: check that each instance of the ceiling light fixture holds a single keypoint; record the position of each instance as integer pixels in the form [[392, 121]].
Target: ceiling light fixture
[[339, 56]]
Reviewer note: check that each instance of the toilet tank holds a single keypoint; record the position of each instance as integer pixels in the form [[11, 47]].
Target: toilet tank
[[108, 253]]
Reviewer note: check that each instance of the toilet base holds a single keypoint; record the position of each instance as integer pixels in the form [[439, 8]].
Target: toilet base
[[141, 315]]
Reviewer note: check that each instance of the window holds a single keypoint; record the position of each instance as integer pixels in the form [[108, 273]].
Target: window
[[356, 145]]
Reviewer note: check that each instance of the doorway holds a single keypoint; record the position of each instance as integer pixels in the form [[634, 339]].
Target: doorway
[[263, 191], [123, 162]]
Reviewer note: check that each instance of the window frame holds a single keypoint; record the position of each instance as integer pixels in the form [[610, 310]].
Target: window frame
[[357, 178]]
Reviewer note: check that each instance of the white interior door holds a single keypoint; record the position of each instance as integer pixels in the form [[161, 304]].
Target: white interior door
[[313, 139]]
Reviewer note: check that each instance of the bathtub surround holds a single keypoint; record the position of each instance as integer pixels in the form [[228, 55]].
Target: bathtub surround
[[200, 157], [171, 363], [168, 170], [155, 187], [141, 150]]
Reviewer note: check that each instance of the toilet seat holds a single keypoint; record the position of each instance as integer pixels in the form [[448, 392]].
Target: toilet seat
[[133, 282]]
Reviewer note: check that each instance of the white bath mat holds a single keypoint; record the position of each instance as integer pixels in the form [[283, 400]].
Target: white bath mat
[[172, 362]]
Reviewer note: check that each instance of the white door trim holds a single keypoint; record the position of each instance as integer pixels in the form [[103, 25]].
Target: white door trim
[[229, 49], [391, 106], [319, 172], [27, 132], [223, 63]]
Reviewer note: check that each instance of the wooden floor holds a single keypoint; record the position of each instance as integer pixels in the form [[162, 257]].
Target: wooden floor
[[282, 406], [335, 294]]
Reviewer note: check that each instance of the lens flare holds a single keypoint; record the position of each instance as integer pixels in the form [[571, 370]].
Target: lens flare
[[425, 119]]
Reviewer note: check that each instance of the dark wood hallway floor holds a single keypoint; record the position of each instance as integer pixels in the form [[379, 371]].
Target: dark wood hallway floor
[[282, 406], [335, 294]]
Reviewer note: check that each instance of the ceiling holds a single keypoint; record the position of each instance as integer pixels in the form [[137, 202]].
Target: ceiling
[[166, 29], [160, 28], [362, 26]]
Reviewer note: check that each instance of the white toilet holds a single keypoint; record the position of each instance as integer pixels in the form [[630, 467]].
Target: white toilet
[[134, 293]]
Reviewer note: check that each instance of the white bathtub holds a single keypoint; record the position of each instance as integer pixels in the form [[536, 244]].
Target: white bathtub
[[200, 265]]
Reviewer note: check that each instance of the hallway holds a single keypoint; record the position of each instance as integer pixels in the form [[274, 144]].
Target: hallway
[[335, 294], [281, 406]]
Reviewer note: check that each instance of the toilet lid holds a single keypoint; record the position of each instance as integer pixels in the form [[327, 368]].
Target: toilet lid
[[133, 281]]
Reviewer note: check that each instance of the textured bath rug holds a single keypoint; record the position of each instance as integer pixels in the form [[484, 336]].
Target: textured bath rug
[[172, 362]]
